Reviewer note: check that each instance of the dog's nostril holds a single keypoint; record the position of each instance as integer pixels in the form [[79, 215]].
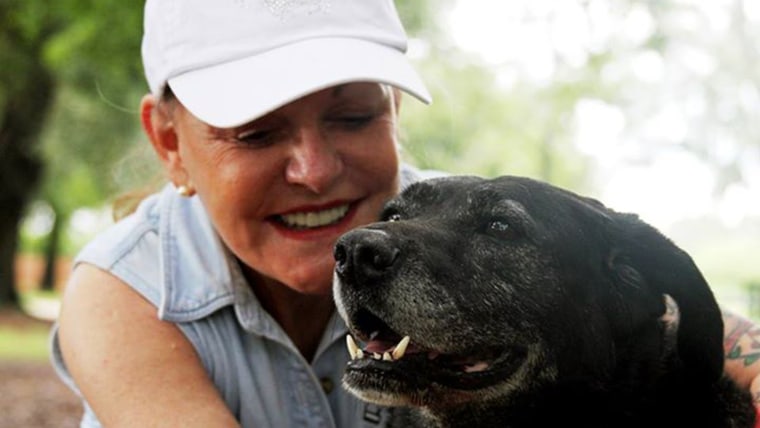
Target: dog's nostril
[[374, 259], [378, 258]]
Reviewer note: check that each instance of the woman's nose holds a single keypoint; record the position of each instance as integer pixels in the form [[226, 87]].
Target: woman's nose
[[315, 162]]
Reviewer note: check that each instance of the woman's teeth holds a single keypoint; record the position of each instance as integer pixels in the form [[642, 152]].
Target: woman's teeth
[[311, 219]]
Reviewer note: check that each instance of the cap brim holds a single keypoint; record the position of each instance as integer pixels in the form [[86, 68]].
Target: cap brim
[[236, 92]]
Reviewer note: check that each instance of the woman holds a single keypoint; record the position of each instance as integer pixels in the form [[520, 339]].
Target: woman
[[210, 305]]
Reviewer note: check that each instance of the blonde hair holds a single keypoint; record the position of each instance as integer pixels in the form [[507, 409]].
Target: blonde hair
[[126, 202]]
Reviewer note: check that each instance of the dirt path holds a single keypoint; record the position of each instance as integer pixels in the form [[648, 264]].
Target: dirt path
[[31, 395]]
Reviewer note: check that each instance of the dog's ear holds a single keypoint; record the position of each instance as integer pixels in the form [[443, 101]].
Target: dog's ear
[[663, 268]]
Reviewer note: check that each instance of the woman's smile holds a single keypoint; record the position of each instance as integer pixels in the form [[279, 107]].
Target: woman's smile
[[305, 222]]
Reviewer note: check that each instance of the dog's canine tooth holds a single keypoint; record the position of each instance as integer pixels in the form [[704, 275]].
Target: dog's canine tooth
[[387, 356], [359, 354], [400, 349], [376, 356], [353, 350], [477, 367]]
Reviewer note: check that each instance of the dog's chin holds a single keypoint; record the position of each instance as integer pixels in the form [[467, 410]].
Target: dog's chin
[[418, 380]]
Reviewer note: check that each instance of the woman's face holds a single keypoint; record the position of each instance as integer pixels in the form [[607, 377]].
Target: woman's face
[[281, 189]]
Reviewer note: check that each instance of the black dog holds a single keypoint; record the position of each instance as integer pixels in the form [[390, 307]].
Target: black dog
[[513, 303]]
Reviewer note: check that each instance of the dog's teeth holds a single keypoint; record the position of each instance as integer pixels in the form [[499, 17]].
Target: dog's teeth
[[376, 356], [353, 350], [400, 349], [477, 367], [359, 354], [387, 356]]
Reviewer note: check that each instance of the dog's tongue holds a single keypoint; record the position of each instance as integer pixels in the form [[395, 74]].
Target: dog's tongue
[[381, 345], [378, 346]]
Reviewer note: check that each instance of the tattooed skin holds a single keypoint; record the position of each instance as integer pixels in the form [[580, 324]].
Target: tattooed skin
[[747, 350], [742, 347]]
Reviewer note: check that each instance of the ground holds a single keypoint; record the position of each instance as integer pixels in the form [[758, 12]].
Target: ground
[[30, 393]]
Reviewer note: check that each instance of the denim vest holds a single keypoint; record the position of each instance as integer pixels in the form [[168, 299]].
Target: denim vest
[[168, 251]]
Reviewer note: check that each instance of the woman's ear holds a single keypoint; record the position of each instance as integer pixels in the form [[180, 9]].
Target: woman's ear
[[158, 124]]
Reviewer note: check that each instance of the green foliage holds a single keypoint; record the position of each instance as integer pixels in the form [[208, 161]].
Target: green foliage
[[29, 340], [24, 345], [92, 50], [476, 126], [422, 18], [85, 137]]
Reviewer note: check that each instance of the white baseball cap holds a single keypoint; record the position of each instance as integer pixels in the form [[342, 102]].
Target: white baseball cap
[[232, 61]]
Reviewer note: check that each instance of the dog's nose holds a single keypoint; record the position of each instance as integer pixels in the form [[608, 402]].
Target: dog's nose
[[364, 254]]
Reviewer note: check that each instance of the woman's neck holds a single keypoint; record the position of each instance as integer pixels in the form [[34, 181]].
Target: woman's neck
[[303, 317]]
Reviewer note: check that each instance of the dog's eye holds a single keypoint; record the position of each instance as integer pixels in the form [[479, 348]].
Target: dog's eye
[[393, 217], [501, 229]]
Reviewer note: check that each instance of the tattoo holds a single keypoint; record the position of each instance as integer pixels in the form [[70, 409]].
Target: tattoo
[[733, 348]]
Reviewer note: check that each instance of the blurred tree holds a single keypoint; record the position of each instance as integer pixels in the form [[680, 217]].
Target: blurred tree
[[478, 124], [89, 47], [26, 87]]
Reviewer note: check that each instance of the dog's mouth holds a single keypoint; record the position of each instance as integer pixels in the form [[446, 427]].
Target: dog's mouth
[[384, 357]]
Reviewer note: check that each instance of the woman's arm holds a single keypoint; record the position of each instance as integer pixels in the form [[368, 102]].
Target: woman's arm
[[133, 369], [742, 346]]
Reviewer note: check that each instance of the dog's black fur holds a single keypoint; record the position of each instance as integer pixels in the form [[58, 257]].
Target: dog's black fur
[[530, 306]]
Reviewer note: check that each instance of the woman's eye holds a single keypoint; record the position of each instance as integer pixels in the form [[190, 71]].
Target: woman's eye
[[259, 137], [352, 121]]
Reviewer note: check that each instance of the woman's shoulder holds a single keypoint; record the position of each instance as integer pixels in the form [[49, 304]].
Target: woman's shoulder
[[169, 252], [128, 249]]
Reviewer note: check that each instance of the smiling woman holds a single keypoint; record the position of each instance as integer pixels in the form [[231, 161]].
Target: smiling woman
[[277, 128]]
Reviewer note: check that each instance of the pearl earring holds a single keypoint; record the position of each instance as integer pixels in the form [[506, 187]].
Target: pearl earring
[[186, 191]]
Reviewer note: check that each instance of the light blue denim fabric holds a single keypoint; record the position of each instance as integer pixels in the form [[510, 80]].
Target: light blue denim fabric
[[169, 253]]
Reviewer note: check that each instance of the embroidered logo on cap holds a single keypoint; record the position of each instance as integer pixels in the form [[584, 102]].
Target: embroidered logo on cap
[[285, 8]]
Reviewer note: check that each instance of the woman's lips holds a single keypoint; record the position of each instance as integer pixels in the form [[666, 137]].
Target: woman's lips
[[313, 219], [307, 222]]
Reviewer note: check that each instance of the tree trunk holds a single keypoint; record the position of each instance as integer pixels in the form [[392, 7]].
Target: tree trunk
[[28, 98], [8, 294], [51, 251]]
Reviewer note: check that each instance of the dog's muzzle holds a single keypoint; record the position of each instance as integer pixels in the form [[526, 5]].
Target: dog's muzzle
[[365, 254]]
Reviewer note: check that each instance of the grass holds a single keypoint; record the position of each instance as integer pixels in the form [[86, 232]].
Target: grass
[[27, 344], [23, 337]]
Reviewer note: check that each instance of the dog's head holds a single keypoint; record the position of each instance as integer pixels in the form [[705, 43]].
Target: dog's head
[[473, 289]]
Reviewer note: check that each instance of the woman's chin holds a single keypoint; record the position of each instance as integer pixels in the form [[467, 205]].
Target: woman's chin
[[317, 282]]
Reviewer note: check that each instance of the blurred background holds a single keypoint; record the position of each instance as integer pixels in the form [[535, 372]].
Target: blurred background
[[649, 106]]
